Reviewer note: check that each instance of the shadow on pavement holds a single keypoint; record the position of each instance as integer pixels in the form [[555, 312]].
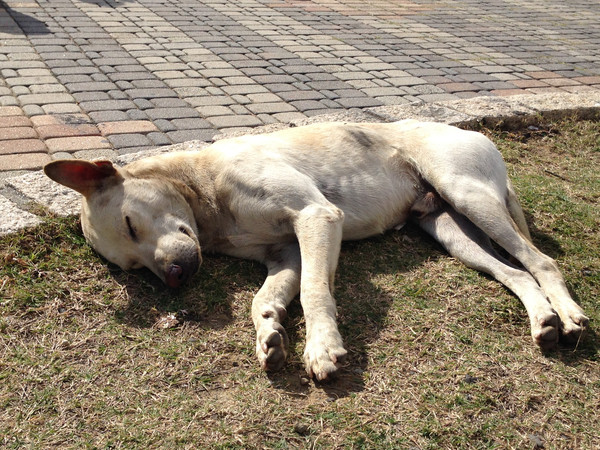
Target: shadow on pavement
[[15, 22]]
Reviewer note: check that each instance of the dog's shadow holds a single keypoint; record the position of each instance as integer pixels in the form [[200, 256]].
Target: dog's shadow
[[207, 299], [362, 306]]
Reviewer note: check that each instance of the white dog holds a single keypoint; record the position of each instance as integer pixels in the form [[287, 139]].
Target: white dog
[[288, 199]]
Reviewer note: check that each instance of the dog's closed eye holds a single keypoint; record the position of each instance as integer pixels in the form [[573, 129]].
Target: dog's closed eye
[[130, 228]]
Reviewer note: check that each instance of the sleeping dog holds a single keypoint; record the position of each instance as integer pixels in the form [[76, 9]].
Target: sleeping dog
[[289, 198]]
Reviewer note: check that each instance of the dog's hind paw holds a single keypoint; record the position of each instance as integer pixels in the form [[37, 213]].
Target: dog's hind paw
[[544, 330], [574, 328], [323, 359], [272, 345]]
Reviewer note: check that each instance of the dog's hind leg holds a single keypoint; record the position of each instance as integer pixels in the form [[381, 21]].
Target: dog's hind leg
[[487, 209], [463, 240], [270, 303], [516, 212], [319, 231]]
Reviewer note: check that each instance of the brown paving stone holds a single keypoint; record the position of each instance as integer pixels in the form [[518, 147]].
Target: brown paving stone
[[14, 121], [46, 119], [71, 144], [588, 80], [558, 82], [55, 131], [30, 161], [12, 147], [529, 83], [10, 111], [127, 127], [507, 92], [459, 87], [542, 75], [17, 133]]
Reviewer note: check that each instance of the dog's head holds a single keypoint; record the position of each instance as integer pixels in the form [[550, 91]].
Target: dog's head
[[134, 222]]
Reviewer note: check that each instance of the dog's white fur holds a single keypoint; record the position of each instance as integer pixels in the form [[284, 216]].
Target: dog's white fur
[[288, 199]]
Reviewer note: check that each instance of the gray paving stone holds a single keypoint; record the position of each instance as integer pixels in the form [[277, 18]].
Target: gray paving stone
[[47, 88], [297, 95], [190, 124], [90, 86], [136, 114], [33, 110], [159, 138], [270, 108], [142, 103], [164, 125], [190, 135], [29, 80], [20, 90], [171, 113], [107, 105], [44, 99], [169, 102], [130, 76], [307, 105], [144, 84], [90, 96], [358, 102], [129, 140], [108, 116], [150, 93], [234, 121]]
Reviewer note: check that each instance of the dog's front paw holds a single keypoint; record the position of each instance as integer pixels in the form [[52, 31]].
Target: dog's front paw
[[272, 345], [323, 356]]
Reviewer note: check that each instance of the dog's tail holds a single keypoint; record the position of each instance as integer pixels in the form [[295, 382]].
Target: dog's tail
[[516, 212]]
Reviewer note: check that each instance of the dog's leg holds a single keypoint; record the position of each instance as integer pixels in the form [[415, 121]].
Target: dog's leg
[[269, 306], [319, 231], [486, 209], [516, 212], [470, 245]]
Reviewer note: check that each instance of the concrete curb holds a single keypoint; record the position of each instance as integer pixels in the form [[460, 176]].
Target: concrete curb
[[25, 195]]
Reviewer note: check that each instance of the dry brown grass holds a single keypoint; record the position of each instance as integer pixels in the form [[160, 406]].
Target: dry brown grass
[[439, 355]]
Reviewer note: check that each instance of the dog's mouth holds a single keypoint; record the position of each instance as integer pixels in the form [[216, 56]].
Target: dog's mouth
[[181, 270]]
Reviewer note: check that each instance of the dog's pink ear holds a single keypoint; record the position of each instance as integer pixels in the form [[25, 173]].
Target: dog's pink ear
[[83, 176]]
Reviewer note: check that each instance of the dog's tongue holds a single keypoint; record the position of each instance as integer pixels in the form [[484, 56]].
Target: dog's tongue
[[174, 276]]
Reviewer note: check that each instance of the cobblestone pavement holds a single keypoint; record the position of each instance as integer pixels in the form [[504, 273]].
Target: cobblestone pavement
[[101, 78]]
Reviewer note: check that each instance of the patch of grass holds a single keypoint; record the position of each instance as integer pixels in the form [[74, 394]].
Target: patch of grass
[[439, 355]]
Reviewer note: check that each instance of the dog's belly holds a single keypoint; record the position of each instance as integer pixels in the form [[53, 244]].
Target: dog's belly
[[356, 168], [372, 202]]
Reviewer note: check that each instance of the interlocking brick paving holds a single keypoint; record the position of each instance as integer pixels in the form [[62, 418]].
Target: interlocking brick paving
[[85, 76]]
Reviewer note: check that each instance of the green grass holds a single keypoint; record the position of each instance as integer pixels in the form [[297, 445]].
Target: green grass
[[439, 355]]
